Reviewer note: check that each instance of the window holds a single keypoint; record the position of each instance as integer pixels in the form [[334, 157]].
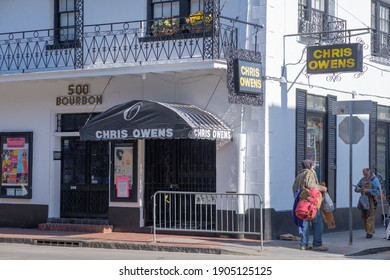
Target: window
[[380, 23], [16, 165], [65, 22], [73, 122], [311, 15], [315, 16], [166, 9], [316, 137]]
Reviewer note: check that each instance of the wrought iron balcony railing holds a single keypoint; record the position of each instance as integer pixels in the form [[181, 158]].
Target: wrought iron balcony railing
[[320, 25], [380, 46], [112, 45]]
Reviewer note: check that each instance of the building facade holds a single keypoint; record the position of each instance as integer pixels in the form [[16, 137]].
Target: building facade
[[66, 61]]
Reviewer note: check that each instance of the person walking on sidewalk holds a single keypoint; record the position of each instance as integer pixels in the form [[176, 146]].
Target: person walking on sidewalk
[[370, 186], [307, 179]]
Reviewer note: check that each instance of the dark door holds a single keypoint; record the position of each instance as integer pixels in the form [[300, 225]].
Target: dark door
[[383, 171], [84, 178], [178, 165]]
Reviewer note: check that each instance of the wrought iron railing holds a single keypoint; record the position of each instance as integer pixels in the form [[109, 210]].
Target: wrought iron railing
[[112, 45], [380, 45], [320, 25]]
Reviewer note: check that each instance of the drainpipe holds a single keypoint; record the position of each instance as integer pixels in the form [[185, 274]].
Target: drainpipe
[[241, 178]]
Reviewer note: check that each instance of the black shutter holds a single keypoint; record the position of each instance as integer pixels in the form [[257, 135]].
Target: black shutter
[[372, 137], [332, 145], [300, 128]]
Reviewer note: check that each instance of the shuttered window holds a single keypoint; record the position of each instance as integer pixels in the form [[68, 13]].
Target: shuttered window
[[316, 136]]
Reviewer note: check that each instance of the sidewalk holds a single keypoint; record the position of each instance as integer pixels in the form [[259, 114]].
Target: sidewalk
[[338, 243]]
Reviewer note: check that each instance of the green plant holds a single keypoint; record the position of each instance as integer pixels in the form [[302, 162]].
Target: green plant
[[199, 22], [165, 26]]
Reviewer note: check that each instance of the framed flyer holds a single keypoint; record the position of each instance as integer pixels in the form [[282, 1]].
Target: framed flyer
[[16, 161], [122, 187], [124, 170]]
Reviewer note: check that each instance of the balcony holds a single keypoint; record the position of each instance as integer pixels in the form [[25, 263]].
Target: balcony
[[321, 26], [122, 44], [380, 47]]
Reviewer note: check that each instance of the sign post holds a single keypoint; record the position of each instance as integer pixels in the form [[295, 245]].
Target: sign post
[[350, 108]]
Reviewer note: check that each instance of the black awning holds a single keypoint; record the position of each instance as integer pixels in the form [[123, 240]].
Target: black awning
[[145, 119]]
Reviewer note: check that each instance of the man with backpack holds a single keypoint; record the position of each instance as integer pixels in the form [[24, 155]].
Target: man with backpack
[[306, 183]]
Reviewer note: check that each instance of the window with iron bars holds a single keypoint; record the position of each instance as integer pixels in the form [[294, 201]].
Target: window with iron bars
[[315, 20], [167, 17], [380, 24]]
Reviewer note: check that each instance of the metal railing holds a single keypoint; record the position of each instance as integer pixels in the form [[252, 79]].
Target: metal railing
[[112, 44], [228, 213], [311, 21]]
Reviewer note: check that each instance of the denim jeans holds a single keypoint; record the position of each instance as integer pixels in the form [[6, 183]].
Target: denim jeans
[[317, 225]]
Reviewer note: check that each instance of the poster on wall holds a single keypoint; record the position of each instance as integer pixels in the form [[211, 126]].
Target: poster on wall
[[122, 187], [123, 163], [15, 165], [15, 162]]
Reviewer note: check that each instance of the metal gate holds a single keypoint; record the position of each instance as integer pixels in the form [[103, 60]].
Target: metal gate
[[178, 165], [208, 212], [84, 178]]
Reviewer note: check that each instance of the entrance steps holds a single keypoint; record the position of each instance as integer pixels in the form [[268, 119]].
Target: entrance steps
[[78, 225]]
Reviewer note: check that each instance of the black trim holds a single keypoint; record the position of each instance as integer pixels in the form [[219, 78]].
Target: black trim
[[300, 128], [331, 148], [373, 126]]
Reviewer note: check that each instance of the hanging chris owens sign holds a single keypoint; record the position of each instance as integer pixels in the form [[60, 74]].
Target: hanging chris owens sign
[[247, 77], [334, 58]]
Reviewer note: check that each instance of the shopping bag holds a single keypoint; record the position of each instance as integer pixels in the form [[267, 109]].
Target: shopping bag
[[363, 203], [327, 203]]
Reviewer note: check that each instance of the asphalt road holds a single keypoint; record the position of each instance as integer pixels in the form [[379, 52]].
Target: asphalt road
[[10, 251]]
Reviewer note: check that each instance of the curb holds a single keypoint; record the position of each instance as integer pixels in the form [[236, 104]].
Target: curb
[[117, 245], [369, 251]]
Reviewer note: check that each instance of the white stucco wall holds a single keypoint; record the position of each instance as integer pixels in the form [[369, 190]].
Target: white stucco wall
[[282, 44]]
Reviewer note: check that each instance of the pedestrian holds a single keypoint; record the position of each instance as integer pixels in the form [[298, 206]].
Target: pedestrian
[[307, 179], [370, 186]]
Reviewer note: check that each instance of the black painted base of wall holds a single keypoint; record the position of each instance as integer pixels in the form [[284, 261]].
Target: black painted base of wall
[[22, 215], [124, 219], [277, 223]]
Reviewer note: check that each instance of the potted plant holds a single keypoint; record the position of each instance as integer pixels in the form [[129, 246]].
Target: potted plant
[[199, 22], [167, 26]]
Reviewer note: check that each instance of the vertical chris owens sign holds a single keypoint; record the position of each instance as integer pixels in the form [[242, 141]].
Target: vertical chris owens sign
[[334, 58]]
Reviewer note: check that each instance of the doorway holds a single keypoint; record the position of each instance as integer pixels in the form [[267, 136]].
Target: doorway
[[383, 155], [84, 178], [178, 165]]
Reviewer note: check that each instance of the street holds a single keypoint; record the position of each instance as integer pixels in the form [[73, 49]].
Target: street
[[10, 251]]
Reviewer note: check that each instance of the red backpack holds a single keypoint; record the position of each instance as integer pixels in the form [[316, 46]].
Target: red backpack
[[307, 206]]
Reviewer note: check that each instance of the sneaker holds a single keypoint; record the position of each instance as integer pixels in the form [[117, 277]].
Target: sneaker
[[368, 235], [320, 248], [306, 247]]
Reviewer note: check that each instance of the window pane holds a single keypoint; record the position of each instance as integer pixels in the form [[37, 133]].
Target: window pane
[[373, 17], [319, 5], [315, 146], [71, 19], [62, 6], [175, 9], [316, 103], [166, 10], [64, 20], [157, 11], [196, 5], [384, 19], [66, 5], [383, 113]]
